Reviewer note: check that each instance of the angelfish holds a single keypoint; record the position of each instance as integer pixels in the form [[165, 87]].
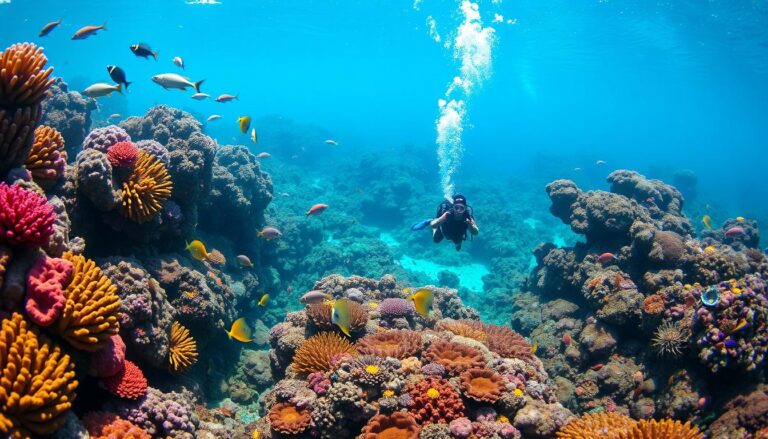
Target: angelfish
[[244, 122], [240, 331]]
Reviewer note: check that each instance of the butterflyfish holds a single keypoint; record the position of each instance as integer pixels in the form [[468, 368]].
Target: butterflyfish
[[240, 331], [341, 316], [422, 301]]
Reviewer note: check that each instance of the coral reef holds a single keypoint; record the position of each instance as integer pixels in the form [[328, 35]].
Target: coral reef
[[26, 218], [47, 160], [103, 425], [148, 187], [128, 383], [69, 113], [182, 352], [102, 139]]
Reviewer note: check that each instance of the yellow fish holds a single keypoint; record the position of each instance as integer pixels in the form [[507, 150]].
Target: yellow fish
[[341, 316], [197, 250], [191, 294], [535, 347], [255, 434], [709, 249], [707, 220], [407, 290], [740, 219], [422, 301], [245, 123], [253, 136], [264, 300], [240, 331]]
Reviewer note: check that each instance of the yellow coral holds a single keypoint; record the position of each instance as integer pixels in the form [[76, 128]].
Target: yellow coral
[[37, 381], [433, 393], [47, 150], [89, 317], [607, 425], [317, 352], [372, 369], [146, 189], [182, 353]]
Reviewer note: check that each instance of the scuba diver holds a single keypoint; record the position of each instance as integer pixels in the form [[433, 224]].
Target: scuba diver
[[453, 220]]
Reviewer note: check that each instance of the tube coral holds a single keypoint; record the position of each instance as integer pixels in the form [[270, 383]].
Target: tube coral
[[145, 191], [47, 160], [26, 218], [287, 418], [182, 353], [317, 352], [90, 313], [38, 383]]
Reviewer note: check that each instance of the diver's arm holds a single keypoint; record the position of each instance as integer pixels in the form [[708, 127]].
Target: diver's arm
[[472, 226], [437, 221]]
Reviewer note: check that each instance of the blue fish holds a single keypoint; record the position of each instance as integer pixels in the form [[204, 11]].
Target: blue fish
[[421, 225], [730, 343]]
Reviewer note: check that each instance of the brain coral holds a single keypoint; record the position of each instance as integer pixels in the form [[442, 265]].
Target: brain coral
[[26, 218], [455, 357], [145, 191], [47, 159], [182, 353], [603, 424], [397, 344], [398, 425], [38, 383], [317, 352], [287, 418], [89, 317], [482, 385]]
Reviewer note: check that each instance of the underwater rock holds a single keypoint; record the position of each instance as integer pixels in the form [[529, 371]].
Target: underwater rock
[[69, 113]]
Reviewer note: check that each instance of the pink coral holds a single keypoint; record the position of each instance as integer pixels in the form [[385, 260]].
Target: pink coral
[[26, 218], [45, 289], [123, 155], [110, 360], [129, 383]]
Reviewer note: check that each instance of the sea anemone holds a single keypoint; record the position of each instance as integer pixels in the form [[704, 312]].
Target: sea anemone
[[147, 188], [123, 155], [482, 385], [670, 338], [320, 316], [506, 342], [370, 370], [287, 418], [398, 425], [455, 357], [182, 352], [317, 352], [398, 344], [593, 425]]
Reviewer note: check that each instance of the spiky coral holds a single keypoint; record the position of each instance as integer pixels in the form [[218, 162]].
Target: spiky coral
[[129, 383], [26, 218], [482, 385], [666, 428], [38, 383], [47, 159], [317, 352], [591, 425], [90, 316], [145, 191], [182, 353], [287, 418], [398, 425], [670, 338], [435, 401], [455, 357], [320, 316], [123, 155], [370, 370], [397, 344]]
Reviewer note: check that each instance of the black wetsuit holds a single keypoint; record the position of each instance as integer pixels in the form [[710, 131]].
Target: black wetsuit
[[452, 228]]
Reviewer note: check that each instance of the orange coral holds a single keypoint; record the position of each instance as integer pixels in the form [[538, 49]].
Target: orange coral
[[47, 158], [217, 258], [463, 329], [37, 385], [398, 425], [105, 425], [23, 82], [482, 385], [591, 425], [89, 317], [182, 353], [317, 352], [320, 316], [398, 344], [455, 357], [506, 342], [666, 428], [288, 419], [146, 189], [653, 304]]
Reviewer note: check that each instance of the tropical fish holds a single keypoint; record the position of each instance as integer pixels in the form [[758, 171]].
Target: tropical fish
[[606, 257], [341, 316], [269, 233], [407, 290], [244, 261], [48, 28], [178, 61], [264, 300], [197, 250], [114, 116], [741, 325], [422, 301], [421, 225], [535, 346], [244, 122], [143, 50], [213, 117], [734, 231], [711, 296], [101, 89], [315, 296], [226, 98], [200, 96], [317, 209], [253, 136], [740, 219], [331, 142], [577, 169], [240, 331], [709, 249], [87, 31], [255, 434], [191, 294], [118, 75], [172, 80], [263, 155], [600, 162], [707, 220]]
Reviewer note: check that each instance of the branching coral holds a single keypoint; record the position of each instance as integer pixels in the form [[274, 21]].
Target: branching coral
[[145, 191], [26, 218], [317, 352], [482, 385], [670, 338], [434, 400], [455, 357], [397, 344], [90, 316], [47, 160], [606, 425], [398, 425], [320, 316], [38, 383], [287, 418], [182, 353], [666, 428]]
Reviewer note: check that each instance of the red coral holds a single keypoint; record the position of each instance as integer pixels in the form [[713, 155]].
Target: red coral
[[45, 289], [129, 383], [110, 360], [105, 425], [435, 401], [123, 155], [26, 218]]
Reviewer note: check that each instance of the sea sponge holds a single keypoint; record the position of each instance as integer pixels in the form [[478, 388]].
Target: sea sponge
[[398, 344], [182, 353], [666, 428], [94, 179], [23, 82], [105, 425], [463, 329], [606, 425], [123, 155], [317, 352], [455, 357], [216, 257], [129, 383], [398, 425], [434, 400], [145, 191], [47, 160], [45, 289], [156, 149], [287, 418], [482, 385], [90, 313], [320, 316], [37, 385], [101, 139], [26, 218]]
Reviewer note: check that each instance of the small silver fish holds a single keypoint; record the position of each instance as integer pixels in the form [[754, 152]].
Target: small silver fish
[[213, 117], [178, 61], [226, 98], [244, 261], [172, 80], [200, 96], [114, 116], [331, 142], [102, 89], [263, 155]]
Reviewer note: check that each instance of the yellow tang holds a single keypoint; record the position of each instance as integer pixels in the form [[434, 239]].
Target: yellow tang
[[245, 123], [407, 290], [740, 219], [240, 331], [707, 220], [264, 300], [197, 250], [422, 301], [341, 316]]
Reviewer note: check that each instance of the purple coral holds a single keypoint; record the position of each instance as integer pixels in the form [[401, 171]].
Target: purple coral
[[160, 414], [434, 369], [155, 148], [101, 139], [395, 307], [319, 383], [461, 427]]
